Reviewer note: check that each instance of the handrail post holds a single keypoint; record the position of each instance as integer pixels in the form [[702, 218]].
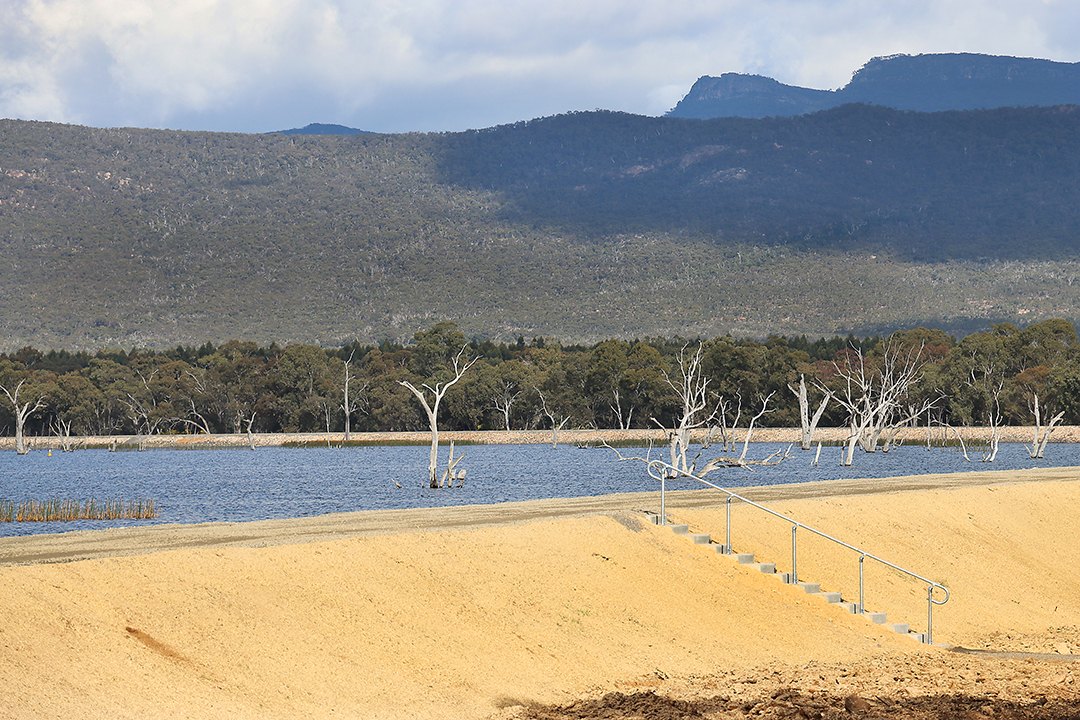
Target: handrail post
[[663, 509], [727, 539], [929, 614], [794, 570], [862, 596]]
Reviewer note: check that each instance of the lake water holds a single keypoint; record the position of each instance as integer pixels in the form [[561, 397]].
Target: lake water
[[197, 486]]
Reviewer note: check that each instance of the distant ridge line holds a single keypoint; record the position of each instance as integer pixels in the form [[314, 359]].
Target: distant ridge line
[[321, 129], [924, 83]]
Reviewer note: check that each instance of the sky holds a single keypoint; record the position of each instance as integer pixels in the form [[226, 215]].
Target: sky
[[447, 65]]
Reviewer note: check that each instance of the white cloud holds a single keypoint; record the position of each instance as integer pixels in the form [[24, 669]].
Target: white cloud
[[254, 65]]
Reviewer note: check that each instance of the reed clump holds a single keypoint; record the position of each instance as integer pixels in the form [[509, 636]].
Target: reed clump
[[57, 510]]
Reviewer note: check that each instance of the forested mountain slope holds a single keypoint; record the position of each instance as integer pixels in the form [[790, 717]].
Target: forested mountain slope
[[582, 227], [924, 186]]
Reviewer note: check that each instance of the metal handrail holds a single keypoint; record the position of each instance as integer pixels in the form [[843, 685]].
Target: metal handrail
[[660, 470]]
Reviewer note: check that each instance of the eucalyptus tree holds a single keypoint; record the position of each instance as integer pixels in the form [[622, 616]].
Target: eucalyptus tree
[[237, 385], [77, 405], [509, 385], [307, 382], [974, 377]]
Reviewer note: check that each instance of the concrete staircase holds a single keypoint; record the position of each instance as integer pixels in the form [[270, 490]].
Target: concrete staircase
[[833, 598]]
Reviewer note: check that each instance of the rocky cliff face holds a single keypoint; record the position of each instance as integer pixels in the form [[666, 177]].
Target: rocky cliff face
[[927, 83], [755, 96]]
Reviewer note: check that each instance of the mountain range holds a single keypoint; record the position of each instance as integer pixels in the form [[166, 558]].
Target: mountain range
[[579, 227], [926, 83]]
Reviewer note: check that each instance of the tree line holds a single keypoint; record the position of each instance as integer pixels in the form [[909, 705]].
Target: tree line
[[1003, 376]]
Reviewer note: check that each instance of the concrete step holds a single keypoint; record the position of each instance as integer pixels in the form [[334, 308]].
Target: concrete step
[[833, 598], [830, 597]]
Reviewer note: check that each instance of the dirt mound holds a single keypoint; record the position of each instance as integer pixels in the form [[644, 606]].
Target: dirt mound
[[941, 686], [573, 617], [791, 703]]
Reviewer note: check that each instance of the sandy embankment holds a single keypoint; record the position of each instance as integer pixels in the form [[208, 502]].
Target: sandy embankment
[[474, 622], [917, 435]]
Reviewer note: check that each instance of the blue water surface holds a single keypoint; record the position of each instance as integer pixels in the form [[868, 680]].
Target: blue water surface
[[197, 486]]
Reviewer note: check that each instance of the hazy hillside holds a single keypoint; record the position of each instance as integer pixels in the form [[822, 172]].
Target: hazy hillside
[[583, 227], [927, 83]]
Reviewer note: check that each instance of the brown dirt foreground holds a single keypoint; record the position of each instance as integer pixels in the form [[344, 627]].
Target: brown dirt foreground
[[582, 614]]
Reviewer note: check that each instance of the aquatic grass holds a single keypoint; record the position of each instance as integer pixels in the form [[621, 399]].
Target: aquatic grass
[[57, 510]]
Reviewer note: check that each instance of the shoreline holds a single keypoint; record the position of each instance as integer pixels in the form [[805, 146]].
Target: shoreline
[[580, 437], [68, 546]]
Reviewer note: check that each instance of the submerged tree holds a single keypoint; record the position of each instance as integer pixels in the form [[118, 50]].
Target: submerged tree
[[438, 391], [809, 424], [691, 387], [875, 394]]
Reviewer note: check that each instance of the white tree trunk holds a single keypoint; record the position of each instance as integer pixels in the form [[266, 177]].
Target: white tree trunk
[[251, 435], [22, 412], [809, 425], [432, 410], [1038, 445]]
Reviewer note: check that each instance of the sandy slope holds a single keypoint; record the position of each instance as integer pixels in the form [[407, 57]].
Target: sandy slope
[[500, 620]]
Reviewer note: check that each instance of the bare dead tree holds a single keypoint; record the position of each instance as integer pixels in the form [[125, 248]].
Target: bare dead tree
[[23, 410], [809, 424], [347, 403], [692, 388], [617, 407], [202, 424], [200, 387], [874, 396], [994, 419], [451, 473], [248, 423], [505, 398], [1042, 435], [438, 390], [987, 379], [750, 428], [724, 408], [62, 430], [556, 426], [669, 471]]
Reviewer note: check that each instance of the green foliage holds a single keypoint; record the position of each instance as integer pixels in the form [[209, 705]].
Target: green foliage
[[984, 378]]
